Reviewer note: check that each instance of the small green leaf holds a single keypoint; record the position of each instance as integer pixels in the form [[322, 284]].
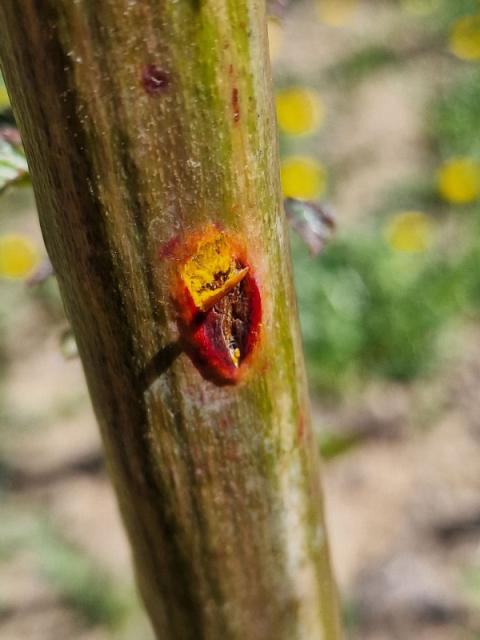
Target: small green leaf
[[4, 99], [68, 345], [13, 165], [336, 444]]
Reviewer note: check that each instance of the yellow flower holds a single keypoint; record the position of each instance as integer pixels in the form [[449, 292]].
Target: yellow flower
[[299, 111], [420, 7], [275, 37], [303, 177], [409, 232], [465, 38], [459, 180], [18, 256], [336, 13]]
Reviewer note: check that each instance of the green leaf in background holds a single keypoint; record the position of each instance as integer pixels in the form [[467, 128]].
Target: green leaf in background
[[334, 444], [13, 165], [4, 100]]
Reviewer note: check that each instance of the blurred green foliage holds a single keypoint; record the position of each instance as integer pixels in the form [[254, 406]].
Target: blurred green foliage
[[353, 68], [76, 577], [82, 583], [454, 118], [447, 12], [333, 444], [368, 310]]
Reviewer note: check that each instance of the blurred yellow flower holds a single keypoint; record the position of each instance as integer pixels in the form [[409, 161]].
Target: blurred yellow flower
[[275, 37], [459, 180], [336, 13], [303, 177], [299, 111], [420, 7], [409, 231], [464, 38], [18, 256]]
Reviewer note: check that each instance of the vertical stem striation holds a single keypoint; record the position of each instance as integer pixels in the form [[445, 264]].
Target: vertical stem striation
[[147, 123]]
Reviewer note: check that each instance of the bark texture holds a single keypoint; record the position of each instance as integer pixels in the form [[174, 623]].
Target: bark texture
[[144, 123]]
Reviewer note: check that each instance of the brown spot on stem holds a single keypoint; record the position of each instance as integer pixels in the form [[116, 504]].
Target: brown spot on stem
[[235, 105], [154, 80]]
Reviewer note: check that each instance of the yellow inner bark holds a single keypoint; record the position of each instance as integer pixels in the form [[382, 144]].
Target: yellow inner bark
[[212, 272]]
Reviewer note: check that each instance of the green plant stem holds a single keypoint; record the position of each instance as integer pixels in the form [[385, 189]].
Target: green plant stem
[[146, 121]]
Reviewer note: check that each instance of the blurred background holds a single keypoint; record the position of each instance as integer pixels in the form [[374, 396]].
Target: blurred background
[[378, 105]]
